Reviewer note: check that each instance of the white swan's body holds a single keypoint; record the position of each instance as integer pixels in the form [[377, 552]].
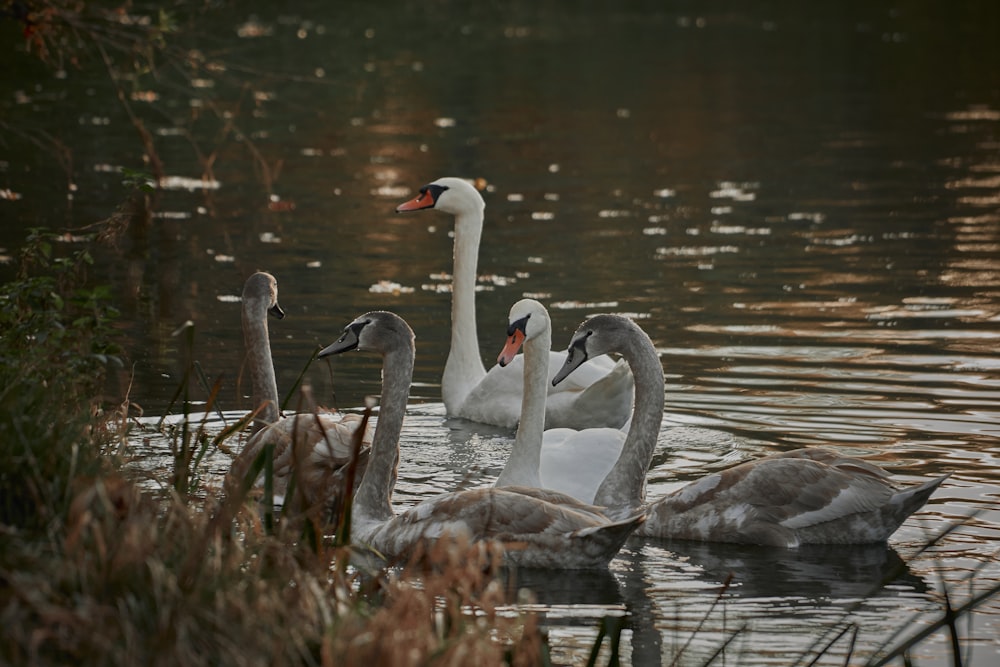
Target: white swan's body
[[323, 441], [570, 461], [601, 396], [806, 496], [536, 528]]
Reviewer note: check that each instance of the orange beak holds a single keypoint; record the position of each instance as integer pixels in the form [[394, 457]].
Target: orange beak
[[509, 350], [424, 200]]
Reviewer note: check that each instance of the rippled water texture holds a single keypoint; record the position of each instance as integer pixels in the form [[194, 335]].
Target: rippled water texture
[[801, 207]]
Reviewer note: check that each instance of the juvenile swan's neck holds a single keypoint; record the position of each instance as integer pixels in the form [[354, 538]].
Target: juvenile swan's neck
[[525, 456], [464, 367], [373, 499], [625, 485], [258, 351]]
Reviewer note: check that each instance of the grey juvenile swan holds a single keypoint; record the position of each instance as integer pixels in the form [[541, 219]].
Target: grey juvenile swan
[[805, 496], [535, 528]]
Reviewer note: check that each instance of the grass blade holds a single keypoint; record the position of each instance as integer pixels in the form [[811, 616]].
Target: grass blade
[[725, 644], [342, 534], [725, 587], [610, 626]]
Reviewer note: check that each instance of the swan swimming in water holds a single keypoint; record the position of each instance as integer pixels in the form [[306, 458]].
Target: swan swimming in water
[[536, 528], [323, 441], [568, 460], [602, 396], [805, 496]]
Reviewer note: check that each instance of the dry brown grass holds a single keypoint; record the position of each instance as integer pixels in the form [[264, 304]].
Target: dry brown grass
[[129, 580]]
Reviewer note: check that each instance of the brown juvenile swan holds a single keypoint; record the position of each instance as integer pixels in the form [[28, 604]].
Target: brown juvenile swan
[[323, 440]]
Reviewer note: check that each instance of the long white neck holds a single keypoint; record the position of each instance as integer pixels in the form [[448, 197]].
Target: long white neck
[[373, 499], [258, 351], [624, 487], [525, 456], [464, 368]]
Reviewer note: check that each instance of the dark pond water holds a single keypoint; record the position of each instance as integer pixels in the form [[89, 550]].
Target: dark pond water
[[801, 206]]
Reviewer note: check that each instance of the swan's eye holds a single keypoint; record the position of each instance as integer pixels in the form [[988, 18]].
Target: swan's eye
[[518, 325]]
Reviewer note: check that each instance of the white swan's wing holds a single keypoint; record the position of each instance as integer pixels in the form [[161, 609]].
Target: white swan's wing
[[598, 394], [576, 462], [593, 371], [606, 399], [497, 398]]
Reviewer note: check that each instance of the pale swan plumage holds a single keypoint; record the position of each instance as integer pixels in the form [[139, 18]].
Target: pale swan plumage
[[600, 396], [805, 496], [571, 461], [322, 441], [536, 528]]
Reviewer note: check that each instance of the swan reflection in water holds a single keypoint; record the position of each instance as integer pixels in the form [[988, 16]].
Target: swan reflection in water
[[670, 591], [813, 571]]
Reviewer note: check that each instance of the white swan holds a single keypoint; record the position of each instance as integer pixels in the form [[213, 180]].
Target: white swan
[[571, 461], [806, 496], [600, 397], [322, 441], [536, 528]]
